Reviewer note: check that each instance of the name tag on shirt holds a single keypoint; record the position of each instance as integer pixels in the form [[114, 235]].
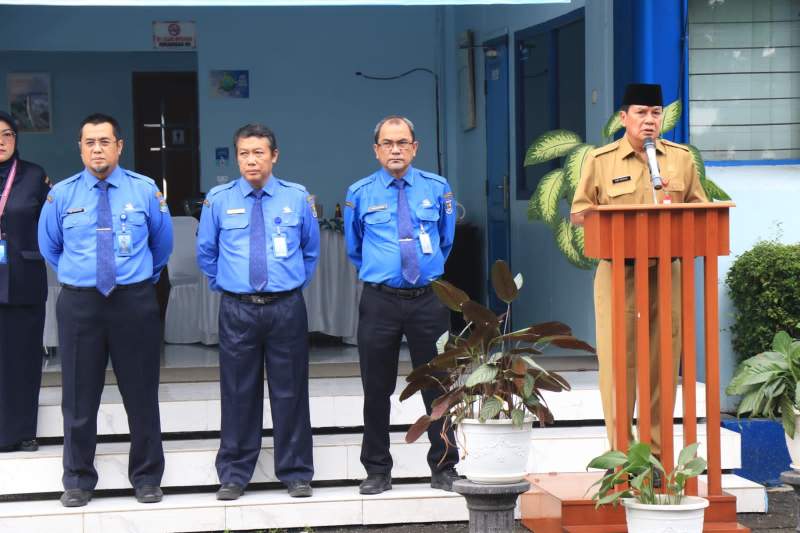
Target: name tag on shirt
[[3, 253], [279, 245], [73, 210], [237, 211], [425, 242], [373, 208], [621, 179]]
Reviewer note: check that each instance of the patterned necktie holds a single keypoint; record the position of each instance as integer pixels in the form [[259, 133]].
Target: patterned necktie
[[258, 245], [106, 269], [405, 231]]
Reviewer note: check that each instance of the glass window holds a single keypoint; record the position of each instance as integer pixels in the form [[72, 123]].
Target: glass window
[[744, 78], [550, 88]]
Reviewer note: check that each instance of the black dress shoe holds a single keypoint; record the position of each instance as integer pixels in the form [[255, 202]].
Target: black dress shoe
[[75, 497], [444, 479], [299, 488], [149, 494], [375, 484], [230, 491], [28, 445]]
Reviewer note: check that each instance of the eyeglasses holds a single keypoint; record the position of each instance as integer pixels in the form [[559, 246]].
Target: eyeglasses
[[7, 136], [103, 143], [402, 144]]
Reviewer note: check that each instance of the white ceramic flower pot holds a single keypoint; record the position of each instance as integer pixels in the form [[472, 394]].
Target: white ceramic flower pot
[[793, 444], [687, 517], [496, 451]]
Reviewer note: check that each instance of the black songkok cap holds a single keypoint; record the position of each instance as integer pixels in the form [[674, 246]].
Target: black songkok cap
[[648, 94]]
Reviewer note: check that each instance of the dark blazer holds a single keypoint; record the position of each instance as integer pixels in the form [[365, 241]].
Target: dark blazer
[[23, 280]]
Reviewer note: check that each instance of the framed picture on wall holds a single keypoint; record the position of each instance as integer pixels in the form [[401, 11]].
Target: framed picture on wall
[[29, 100], [230, 83]]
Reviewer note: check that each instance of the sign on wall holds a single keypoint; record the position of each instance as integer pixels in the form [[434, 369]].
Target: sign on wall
[[29, 101], [174, 35]]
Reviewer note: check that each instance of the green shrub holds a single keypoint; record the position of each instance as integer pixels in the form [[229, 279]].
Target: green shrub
[[764, 285]]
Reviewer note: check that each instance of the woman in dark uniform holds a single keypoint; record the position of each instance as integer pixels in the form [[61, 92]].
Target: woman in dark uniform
[[23, 290]]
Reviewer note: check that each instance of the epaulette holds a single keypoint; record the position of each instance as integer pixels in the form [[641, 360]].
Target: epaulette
[[363, 181], [675, 145], [291, 184], [610, 147], [432, 176], [138, 176], [219, 188], [63, 183]]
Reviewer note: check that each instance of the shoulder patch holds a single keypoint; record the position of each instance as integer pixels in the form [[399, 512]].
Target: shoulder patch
[[610, 147], [448, 194], [362, 182], [675, 145]]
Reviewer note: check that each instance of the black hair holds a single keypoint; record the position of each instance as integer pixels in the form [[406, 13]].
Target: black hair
[[256, 130], [101, 118]]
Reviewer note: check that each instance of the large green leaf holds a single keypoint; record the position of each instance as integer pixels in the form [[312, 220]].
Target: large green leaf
[[714, 191], [613, 125], [699, 164], [550, 145], [564, 241], [672, 114], [548, 195], [483, 374], [490, 409], [573, 164]]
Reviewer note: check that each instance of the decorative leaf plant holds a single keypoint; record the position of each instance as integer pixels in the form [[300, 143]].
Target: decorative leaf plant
[[557, 187], [487, 372], [639, 468], [770, 382]]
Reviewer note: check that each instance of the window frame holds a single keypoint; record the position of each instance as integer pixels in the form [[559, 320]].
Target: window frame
[[551, 28]]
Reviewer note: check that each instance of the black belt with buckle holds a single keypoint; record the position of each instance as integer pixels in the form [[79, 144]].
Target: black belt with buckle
[[260, 298], [116, 287], [407, 294]]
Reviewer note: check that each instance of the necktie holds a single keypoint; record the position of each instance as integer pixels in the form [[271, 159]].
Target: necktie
[[258, 245], [106, 269], [405, 231]]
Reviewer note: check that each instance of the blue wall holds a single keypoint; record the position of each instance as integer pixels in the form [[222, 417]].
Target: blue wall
[[302, 63], [80, 84], [553, 290]]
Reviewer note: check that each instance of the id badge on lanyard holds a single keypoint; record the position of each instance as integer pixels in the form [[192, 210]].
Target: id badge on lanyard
[[3, 202], [279, 241]]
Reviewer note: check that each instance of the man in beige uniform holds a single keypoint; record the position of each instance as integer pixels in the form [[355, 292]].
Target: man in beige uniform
[[616, 174]]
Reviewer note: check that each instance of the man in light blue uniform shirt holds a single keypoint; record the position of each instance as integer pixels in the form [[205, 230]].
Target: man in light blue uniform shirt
[[108, 233], [399, 228], [258, 244]]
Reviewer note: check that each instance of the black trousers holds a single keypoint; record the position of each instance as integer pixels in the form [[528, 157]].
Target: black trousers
[[250, 337], [383, 320], [127, 327], [21, 329]]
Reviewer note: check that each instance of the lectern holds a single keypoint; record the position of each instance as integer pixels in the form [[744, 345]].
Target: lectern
[[646, 235]]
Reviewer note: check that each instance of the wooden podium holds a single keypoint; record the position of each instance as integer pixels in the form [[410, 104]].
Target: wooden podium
[[647, 235]]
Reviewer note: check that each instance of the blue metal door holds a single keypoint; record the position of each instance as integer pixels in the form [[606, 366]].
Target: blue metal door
[[498, 186]]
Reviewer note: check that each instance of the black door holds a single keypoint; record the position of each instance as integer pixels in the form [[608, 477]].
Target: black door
[[165, 133]]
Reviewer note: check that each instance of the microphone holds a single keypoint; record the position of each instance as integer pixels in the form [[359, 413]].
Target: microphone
[[655, 175]]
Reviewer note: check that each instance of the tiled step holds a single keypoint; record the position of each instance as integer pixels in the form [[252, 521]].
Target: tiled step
[[335, 402], [336, 457], [265, 509]]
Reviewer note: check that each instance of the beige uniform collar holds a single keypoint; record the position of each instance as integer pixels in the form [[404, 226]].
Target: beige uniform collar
[[625, 149]]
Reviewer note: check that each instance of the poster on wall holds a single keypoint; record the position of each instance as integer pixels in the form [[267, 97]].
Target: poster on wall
[[230, 83], [29, 100], [174, 35]]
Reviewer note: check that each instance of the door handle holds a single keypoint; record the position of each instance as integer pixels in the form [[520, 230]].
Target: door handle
[[505, 187]]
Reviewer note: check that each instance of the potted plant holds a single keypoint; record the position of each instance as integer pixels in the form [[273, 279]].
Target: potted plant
[[769, 384], [648, 510], [491, 386]]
